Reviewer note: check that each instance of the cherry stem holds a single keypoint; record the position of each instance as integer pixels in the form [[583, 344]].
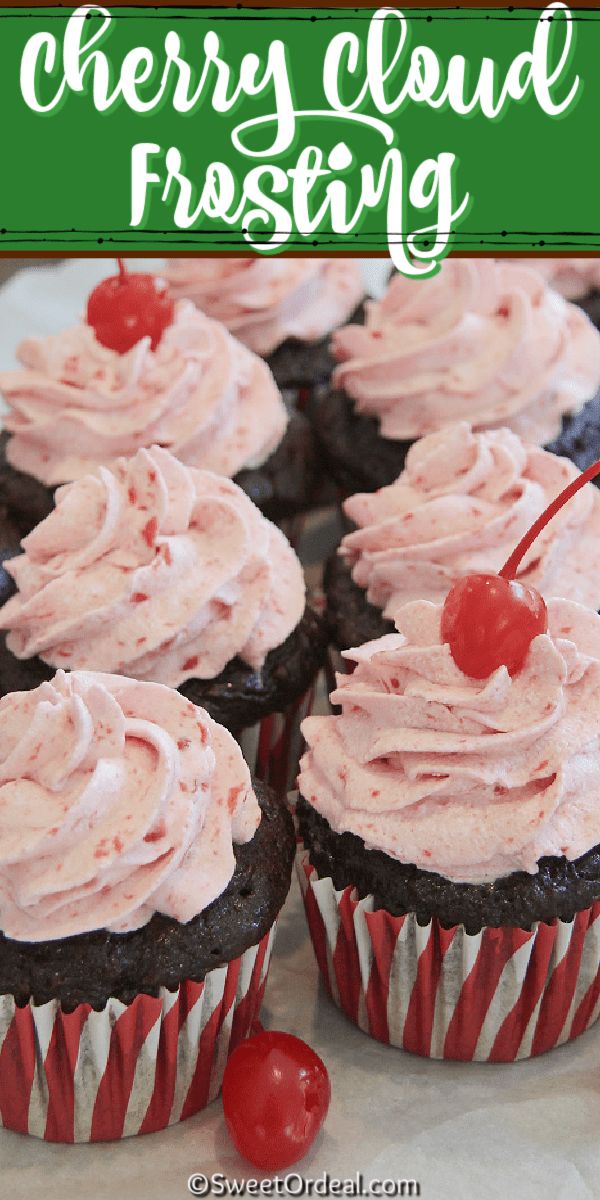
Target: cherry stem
[[122, 270], [510, 567]]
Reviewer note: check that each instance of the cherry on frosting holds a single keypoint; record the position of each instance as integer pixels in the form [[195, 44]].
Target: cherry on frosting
[[127, 307], [490, 620], [276, 1094]]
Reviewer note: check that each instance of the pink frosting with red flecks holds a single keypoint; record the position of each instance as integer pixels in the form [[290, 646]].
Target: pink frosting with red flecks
[[118, 800], [201, 394], [462, 503], [469, 778], [153, 570], [264, 301], [572, 277], [483, 341]]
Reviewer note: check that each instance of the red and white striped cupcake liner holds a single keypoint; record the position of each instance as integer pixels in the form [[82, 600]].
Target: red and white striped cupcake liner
[[128, 1069], [273, 746], [495, 996], [294, 528], [335, 665]]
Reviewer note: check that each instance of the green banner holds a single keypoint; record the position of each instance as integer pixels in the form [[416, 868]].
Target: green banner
[[165, 130]]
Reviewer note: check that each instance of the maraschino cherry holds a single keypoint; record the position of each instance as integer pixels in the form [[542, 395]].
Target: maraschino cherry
[[490, 621], [276, 1094], [127, 307]]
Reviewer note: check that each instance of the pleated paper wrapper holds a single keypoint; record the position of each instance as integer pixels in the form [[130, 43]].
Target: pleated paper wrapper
[[334, 665], [89, 1076], [495, 996], [272, 746], [294, 529]]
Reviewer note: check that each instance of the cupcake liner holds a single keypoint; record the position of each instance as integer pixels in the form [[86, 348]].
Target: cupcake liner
[[496, 996], [89, 1076], [304, 396], [298, 397], [335, 665], [294, 528], [273, 746]]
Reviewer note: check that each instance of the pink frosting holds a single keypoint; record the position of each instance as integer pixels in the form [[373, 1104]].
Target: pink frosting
[[472, 779], [118, 799], [572, 277], [483, 341], [153, 570], [462, 503], [200, 393], [264, 301]]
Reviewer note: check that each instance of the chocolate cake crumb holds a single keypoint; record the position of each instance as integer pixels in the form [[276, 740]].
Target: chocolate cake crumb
[[297, 364], [359, 458]]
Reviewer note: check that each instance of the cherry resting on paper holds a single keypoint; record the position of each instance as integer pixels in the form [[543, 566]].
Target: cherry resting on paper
[[127, 307], [490, 620], [276, 1094]]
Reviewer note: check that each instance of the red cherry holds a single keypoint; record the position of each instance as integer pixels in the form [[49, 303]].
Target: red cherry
[[489, 622], [276, 1094], [127, 307]]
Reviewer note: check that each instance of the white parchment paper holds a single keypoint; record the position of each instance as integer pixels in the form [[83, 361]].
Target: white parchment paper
[[464, 1131]]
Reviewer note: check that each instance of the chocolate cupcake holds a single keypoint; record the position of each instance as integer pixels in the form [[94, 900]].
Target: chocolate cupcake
[[451, 840], [140, 880], [482, 341], [87, 396], [162, 572], [283, 309], [462, 501]]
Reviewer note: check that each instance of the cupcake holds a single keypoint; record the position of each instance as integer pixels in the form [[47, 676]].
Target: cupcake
[[120, 382], [281, 308], [450, 826], [140, 880], [576, 279], [482, 341], [463, 500], [165, 573]]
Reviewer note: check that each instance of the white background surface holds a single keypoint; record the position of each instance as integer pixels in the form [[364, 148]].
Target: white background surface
[[465, 1131]]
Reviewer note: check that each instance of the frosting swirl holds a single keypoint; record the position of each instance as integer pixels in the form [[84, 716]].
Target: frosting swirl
[[471, 779], [264, 301], [461, 504], [572, 277], [486, 342], [118, 799], [201, 394], [153, 570]]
